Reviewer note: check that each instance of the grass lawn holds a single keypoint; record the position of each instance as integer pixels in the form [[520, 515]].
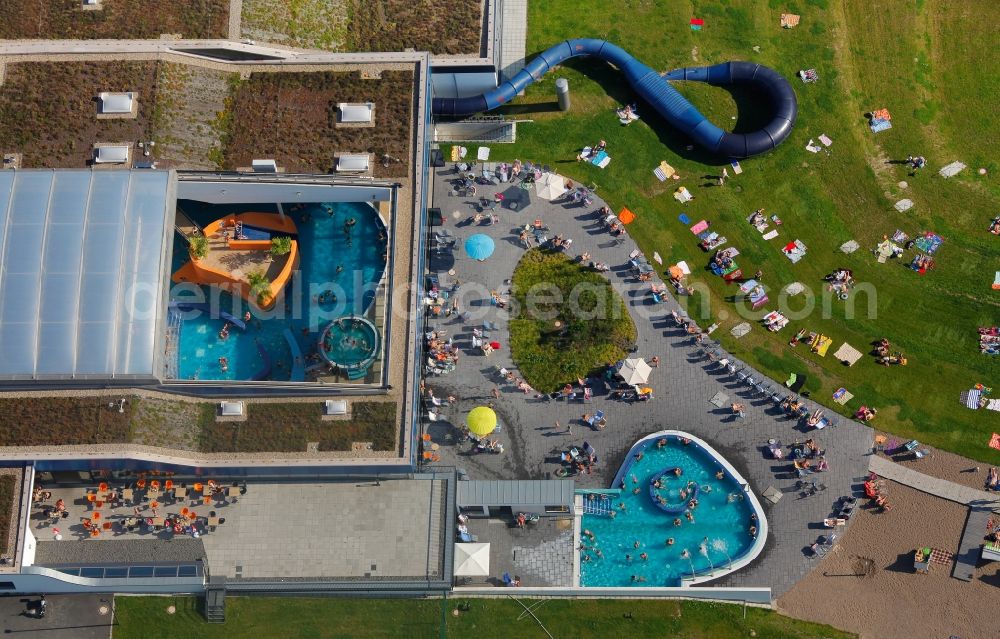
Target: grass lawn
[[360, 618], [921, 61], [8, 510], [569, 321]]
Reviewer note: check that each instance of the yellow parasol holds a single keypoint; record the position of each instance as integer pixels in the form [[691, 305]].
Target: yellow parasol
[[481, 420]]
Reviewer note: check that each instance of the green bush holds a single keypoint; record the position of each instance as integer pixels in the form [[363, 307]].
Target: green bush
[[568, 321]]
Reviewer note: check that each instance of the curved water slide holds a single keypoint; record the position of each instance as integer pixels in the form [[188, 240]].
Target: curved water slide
[[656, 90]]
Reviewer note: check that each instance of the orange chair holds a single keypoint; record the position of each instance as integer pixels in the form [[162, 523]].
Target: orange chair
[[103, 487], [107, 525], [95, 533], [91, 497], [207, 499], [168, 484], [95, 516], [198, 487]]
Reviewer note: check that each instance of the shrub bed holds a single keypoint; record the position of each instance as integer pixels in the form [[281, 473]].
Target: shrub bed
[[116, 19], [287, 428], [291, 117], [568, 320], [62, 421]]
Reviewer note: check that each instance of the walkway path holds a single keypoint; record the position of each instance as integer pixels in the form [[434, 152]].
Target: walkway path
[[938, 487], [514, 36], [981, 505], [684, 383]]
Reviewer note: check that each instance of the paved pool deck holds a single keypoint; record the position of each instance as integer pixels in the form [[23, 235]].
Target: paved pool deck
[[684, 383]]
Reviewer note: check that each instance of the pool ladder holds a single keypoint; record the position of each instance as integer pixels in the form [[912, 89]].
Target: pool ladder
[[598, 507], [173, 336]]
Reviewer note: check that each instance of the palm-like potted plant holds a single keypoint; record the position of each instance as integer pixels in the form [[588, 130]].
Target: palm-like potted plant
[[280, 245], [260, 286], [197, 247]]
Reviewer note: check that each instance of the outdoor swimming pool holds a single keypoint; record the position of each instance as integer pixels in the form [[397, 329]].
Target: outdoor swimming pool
[[717, 541], [343, 259]]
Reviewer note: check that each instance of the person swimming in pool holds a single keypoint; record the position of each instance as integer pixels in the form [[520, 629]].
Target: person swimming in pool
[[224, 364]]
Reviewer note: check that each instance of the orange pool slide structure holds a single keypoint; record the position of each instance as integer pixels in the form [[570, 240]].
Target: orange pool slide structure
[[231, 259]]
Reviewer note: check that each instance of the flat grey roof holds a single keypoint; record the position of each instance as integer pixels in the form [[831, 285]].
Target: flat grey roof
[[82, 272], [556, 492]]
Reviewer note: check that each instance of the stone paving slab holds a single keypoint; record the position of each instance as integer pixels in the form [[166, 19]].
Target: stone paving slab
[[683, 381]]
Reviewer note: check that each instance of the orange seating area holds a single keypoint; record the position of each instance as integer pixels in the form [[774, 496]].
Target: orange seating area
[[202, 272]]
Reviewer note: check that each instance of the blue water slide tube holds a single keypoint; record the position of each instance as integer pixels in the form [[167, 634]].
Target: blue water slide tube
[[207, 308], [656, 90]]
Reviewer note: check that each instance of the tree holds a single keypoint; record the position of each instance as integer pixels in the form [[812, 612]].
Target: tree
[[281, 245], [197, 246], [260, 286]]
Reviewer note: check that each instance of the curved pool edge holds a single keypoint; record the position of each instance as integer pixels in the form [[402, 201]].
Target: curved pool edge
[[762, 525]]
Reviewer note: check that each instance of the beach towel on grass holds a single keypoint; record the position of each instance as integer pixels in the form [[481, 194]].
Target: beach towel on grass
[[971, 398], [952, 169], [900, 236], [996, 281], [737, 169], [663, 171], [878, 125], [993, 404], [697, 24], [770, 235], [682, 195], [903, 205], [825, 140], [790, 20], [849, 247], [700, 227], [842, 396]]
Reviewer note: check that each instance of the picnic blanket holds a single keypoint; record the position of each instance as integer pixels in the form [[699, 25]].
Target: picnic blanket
[[949, 170], [929, 243], [900, 236], [993, 404], [903, 205], [601, 160], [795, 251], [483, 153], [737, 169], [825, 140], [697, 24], [880, 120], [790, 20], [682, 195], [740, 330], [795, 288], [770, 235], [885, 250], [848, 354], [849, 246], [663, 171]]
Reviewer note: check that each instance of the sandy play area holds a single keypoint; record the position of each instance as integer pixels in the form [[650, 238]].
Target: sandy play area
[[891, 599]]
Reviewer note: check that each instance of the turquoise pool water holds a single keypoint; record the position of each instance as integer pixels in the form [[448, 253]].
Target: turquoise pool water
[[349, 343], [718, 534], [341, 263]]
